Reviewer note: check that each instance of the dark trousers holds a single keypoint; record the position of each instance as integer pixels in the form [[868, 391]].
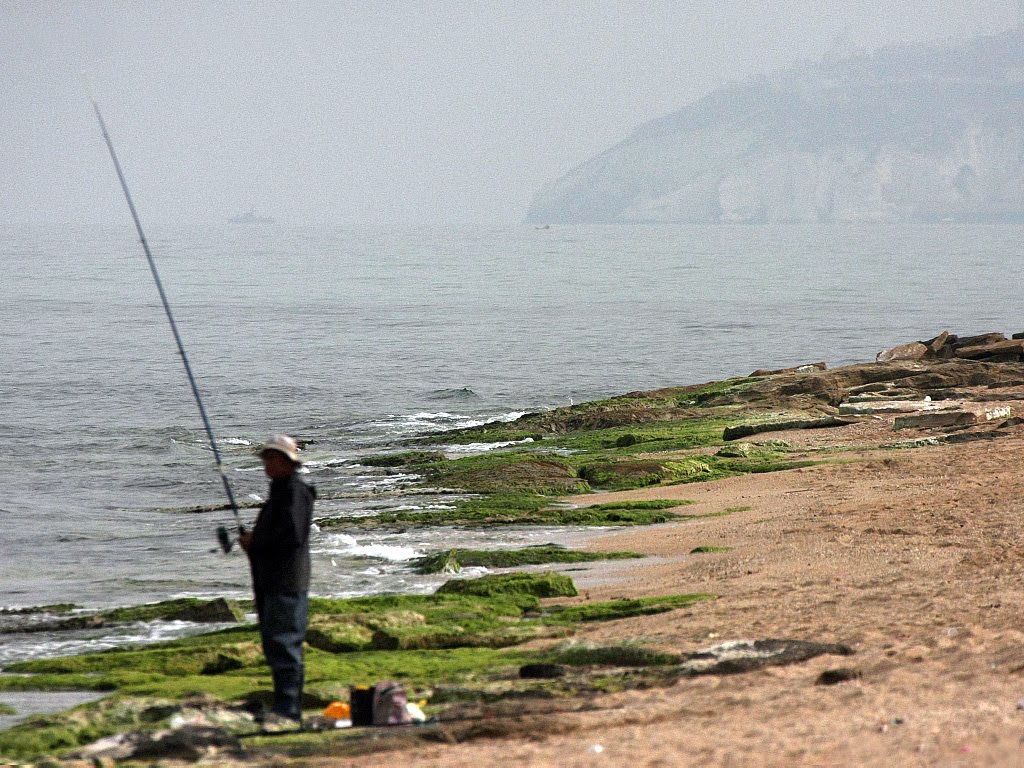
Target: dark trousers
[[283, 630]]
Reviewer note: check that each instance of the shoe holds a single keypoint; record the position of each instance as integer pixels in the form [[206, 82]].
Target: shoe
[[275, 723]]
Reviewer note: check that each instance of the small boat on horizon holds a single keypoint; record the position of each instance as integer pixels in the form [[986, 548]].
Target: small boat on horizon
[[250, 217]]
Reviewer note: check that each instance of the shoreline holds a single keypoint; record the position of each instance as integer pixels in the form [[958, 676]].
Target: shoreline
[[905, 555]]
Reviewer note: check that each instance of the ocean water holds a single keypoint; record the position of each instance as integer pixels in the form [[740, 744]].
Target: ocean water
[[355, 339]]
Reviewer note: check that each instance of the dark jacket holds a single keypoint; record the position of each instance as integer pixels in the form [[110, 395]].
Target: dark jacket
[[279, 554]]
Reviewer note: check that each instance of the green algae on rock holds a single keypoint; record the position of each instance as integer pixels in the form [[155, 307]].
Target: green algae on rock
[[454, 559], [495, 585], [522, 509], [463, 638]]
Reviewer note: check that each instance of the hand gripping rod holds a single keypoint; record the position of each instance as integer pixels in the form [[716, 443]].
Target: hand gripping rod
[[225, 541]]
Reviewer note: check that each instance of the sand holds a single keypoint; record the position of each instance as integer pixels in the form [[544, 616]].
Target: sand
[[912, 557]]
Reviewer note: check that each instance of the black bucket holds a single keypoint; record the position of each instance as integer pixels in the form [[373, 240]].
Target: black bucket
[[361, 703]]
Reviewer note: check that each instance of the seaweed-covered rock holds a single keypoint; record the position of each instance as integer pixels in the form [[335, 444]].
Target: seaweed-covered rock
[[624, 474], [536, 584], [356, 632], [453, 560], [538, 475], [438, 636], [212, 612]]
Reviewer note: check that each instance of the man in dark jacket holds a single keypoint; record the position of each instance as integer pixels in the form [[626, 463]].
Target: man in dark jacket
[[278, 550]]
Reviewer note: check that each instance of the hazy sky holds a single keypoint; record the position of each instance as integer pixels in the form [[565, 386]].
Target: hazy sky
[[373, 112]]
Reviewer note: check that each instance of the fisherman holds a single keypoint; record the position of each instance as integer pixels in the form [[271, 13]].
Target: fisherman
[[278, 549]]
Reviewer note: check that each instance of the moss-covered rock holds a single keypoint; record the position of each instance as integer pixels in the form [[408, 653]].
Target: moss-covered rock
[[403, 459], [338, 634], [505, 473], [619, 475], [620, 609], [622, 654], [453, 560], [536, 584]]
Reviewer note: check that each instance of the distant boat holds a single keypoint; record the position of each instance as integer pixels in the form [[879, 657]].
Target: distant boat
[[251, 218]]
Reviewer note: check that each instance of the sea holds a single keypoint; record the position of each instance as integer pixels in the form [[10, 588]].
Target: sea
[[354, 340]]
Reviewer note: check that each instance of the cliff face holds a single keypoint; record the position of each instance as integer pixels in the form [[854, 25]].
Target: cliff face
[[909, 133]]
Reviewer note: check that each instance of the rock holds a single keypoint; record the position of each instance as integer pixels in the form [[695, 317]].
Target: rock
[[935, 345], [737, 450], [874, 387], [807, 368], [915, 350], [1006, 350], [120, 746], [339, 634], [190, 742], [934, 419], [835, 676], [738, 656], [541, 671], [998, 413], [890, 406], [213, 612], [518, 583], [973, 341], [745, 430]]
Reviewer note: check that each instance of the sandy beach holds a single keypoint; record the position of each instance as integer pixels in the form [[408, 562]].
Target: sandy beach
[[909, 556]]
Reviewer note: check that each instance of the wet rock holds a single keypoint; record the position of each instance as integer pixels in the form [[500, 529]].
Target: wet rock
[[746, 430], [214, 611], [739, 656]]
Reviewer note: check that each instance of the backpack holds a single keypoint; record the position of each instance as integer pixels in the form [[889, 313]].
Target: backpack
[[389, 704]]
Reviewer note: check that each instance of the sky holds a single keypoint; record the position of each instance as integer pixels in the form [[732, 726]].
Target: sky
[[379, 113]]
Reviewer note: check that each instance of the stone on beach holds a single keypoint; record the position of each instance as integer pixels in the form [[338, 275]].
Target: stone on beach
[[954, 418], [992, 347], [915, 350]]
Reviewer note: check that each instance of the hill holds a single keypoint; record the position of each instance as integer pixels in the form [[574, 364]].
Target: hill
[[908, 133]]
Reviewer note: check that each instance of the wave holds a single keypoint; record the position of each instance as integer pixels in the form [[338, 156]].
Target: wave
[[69, 643], [343, 544], [436, 421], [469, 448]]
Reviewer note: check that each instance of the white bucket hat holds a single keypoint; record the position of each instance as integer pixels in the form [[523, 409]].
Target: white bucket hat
[[282, 444]]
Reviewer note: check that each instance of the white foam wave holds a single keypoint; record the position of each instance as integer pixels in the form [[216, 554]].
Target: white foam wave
[[47, 645], [438, 421], [235, 441], [382, 482], [483, 447], [420, 507], [343, 544]]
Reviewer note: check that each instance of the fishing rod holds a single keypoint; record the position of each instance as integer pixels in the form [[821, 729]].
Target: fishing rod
[[222, 532]]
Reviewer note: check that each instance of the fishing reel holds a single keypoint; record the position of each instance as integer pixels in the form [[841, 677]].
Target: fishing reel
[[226, 542]]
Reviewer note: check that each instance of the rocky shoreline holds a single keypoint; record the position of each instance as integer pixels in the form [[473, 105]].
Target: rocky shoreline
[[732, 486]]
